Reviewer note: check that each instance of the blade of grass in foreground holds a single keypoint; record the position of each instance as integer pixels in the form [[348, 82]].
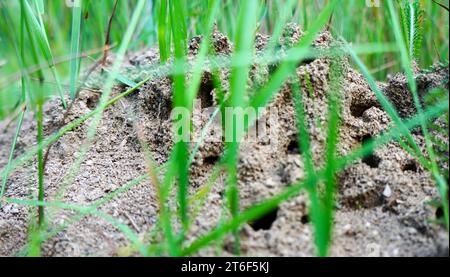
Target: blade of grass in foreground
[[305, 146], [75, 48], [324, 220], [321, 205], [238, 90], [213, 9], [181, 155], [34, 27], [192, 90], [164, 31]]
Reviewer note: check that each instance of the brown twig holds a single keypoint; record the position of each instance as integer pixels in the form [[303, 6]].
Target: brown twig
[[442, 5], [436, 50], [108, 34], [57, 61], [330, 21]]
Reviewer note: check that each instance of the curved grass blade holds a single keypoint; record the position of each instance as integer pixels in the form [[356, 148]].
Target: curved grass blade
[[180, 152]]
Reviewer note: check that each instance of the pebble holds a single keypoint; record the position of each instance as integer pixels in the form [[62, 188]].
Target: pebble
[[14, 210], [387, 191], [412, 231], [270, 183], [347, 229], [395, 252]]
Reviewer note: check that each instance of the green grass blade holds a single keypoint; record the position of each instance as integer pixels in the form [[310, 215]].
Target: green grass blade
[[179, 33], [164, 31], [238, 88], [325, 220], [75, 49]]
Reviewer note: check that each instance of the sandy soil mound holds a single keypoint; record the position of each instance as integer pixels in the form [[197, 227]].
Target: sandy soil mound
[[382, 200]]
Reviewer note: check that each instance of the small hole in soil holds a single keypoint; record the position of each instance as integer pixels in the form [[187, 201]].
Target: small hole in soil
[[410, 166], [91, 102], [305, 62], [293, 147], [365, 139], [205, 92], [211, 160], [358, 109], [266, 221], [272, 68], [304, 219], [439, 213], [372, 160]]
